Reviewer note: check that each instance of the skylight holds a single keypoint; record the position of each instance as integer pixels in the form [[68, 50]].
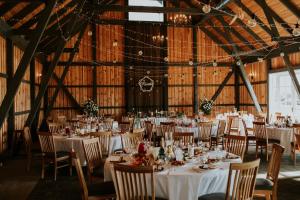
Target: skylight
[[142, 16]]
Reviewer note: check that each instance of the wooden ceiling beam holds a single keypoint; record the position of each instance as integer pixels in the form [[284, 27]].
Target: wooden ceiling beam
[[4, 8], [241, 66], [25, 61], [292, 7], [283, 23], [118, 8], [250, 13], [270, 17]]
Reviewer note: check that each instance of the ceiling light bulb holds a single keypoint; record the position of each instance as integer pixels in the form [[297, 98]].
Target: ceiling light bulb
[[140, 53], [166, 59], [296, 30], [90, 33], [206, 8], [215, 63], [252, 22], [260, 60], [191, 62], [281, 54], [115, 43]]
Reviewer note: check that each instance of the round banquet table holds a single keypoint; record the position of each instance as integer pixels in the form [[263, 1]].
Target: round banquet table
[[285, 135], [64, 143], [184, 182]]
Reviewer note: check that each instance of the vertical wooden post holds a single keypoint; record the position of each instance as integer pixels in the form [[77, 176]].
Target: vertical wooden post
[[195, 71], [236, 87], [32, 97], [94, 57], [165, 78], [10, 74], [269, 67], [44, 70]]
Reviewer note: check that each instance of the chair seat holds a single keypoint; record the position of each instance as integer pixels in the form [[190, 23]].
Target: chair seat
[[251, 137], [263, 184], [99, 189], [98, 171], [213, 196]]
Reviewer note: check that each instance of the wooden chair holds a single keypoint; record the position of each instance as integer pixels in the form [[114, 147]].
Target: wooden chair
[[93, 155], [268, 187], [104, 140], [262, 140], [240, 184], [131, 182], [108, 123], [124, 127], [295, 144], [204, 130], [149, 130], [250, 136], [219, 138], [167, 127], [233, 125], [259, 118], [130, 141], [50, 155], [235, 144], [186, 137], [54, 127], [280, 118], [99, 191], [140, 131]]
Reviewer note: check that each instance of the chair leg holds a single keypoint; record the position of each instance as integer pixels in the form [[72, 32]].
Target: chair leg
[[43, 167], [267, 152], [29, 157], [256, 150], [55, 170], [71, 165]]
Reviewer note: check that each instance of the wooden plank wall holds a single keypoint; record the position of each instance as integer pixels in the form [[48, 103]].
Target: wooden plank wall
[[3, 130], [79, 79], [257, 74], [210, 78], [22, 99], [180, 79]]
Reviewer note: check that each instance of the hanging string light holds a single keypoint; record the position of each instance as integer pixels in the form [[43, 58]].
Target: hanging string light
[[191, 62], [206, 8], [115, 43], [252, 22]]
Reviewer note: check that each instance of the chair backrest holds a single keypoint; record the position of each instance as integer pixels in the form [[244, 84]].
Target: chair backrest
[[140, 131], [130, 140], [221, 128], [274, 163], [47, 142], [83, 185], [132, 182], [149, 129], [259, 130], [259, 118], [27, 139], [92, 151], [245, 127], [297, 136], [104, 140], [235, 144], [108, 123], [124, 127], [241, 180], [186, 137], [280, 118], [205, 130], [54, 127], [167, 127]]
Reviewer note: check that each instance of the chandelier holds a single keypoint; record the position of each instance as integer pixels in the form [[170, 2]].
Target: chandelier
[[180, 19], [159, 38]]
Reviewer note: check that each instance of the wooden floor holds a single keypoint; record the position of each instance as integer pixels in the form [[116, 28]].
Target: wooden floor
[[17, 184]]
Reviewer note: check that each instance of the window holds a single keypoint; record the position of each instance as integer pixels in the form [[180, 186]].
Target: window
[[141, 16], [283, 97]]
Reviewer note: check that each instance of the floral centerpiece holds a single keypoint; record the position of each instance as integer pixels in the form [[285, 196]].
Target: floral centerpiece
[[206, 106], [90, 108]]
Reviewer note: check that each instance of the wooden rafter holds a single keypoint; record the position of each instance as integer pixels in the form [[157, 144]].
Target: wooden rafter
[[241, 65], [25, 61]]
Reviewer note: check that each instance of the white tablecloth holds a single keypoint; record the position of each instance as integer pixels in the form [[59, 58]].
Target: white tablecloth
[[184, 183], [63, 143], [285, 135], [195, 130]]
